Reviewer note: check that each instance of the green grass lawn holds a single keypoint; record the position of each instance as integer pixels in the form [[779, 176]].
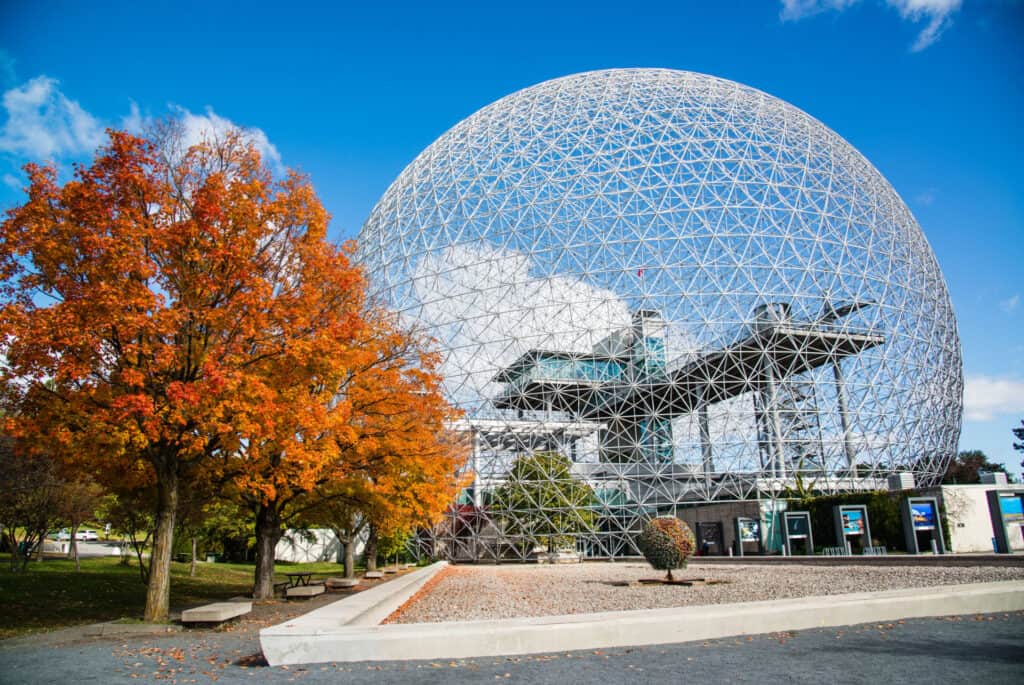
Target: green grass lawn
[[50, 594]]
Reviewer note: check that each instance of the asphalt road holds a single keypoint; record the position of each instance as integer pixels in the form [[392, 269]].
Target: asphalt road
[[99, 548], [982, 650]]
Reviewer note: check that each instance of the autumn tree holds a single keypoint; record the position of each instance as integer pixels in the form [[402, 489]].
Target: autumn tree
[[78, 498], [298, 400], [343, 515], [143, 302], [131, 516], [226, 529], [29, 500], [192, 520], [363, 430]]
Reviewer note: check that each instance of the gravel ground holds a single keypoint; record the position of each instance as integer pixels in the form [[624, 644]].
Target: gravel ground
[[465, 593]]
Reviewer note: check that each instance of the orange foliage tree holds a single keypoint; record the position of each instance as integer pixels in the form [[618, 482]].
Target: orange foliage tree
[[377, 440], [166, 309], [408, 460]]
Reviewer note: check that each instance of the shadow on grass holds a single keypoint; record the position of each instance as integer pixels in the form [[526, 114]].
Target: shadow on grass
[[51, 594]]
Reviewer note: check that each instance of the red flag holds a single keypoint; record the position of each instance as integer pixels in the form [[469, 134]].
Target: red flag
[[640, 271]]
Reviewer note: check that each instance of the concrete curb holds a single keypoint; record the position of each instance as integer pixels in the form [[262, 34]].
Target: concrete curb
[[317, 642], [363, 609], [944, 560], [115, 628], [89, 631]]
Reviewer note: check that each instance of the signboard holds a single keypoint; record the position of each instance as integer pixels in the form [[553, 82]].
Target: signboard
[[923, 515], [796, 527], [1011, 506], [921, 525], [853, 522], [750, 530]]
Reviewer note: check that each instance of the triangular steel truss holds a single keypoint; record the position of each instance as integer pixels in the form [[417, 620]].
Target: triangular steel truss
[[692, 290]]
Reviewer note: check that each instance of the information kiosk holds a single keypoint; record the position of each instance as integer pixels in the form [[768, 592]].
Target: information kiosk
[[748, 536], [796, 530], [1007, 512], [852, 529], [922, 529]]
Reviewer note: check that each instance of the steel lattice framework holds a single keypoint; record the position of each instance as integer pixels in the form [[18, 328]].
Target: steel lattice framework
[[692, 290]]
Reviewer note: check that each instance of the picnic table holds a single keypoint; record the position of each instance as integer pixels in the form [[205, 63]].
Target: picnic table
[[297, 578]]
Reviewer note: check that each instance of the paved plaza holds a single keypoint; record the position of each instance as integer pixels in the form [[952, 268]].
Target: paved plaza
[[968, 649]]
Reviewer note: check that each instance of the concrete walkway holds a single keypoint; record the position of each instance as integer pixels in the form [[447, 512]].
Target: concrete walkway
[[971, 649], [319, 641]]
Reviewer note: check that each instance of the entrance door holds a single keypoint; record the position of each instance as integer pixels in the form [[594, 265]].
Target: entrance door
[[709, 538]]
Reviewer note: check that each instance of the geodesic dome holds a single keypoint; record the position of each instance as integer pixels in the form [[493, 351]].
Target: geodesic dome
[[693, 290]]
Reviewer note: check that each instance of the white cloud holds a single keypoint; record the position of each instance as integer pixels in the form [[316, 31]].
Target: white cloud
[[794, 10], [43, 123], [200, 127], [1009, 304], [197, 128], [486, 309], [135, 122], [937, 13], [986, 397], [11, 181]]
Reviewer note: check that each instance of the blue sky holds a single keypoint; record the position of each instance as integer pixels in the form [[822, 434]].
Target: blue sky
[[931, 91]]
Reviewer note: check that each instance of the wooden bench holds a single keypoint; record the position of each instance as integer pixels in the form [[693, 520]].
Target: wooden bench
[[218, 612]]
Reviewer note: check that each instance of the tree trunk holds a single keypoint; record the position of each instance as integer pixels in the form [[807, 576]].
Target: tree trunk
[[73, 543], [158, 587], [15, 552], [350, 557], [192, 566], [268, 532], [370, 551]]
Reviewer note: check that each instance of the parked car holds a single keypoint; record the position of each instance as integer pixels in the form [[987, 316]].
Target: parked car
[[87, 535], [61, 534]]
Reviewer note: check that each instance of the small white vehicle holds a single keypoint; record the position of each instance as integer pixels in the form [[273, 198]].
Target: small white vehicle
[[87, 536]]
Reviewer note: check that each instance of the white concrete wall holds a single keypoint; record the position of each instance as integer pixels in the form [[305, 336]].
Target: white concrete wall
[[314, 544], [970, 525]]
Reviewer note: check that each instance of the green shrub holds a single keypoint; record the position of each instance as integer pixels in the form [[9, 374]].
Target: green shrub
[[666, 543]]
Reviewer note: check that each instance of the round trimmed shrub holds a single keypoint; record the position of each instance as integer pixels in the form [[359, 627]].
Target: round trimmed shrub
[[666, 543]]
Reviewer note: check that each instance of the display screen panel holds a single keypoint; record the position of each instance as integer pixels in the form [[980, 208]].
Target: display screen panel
[[750, 530], [853, 522], [923, 514], [1011, 506], [796, 527]]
